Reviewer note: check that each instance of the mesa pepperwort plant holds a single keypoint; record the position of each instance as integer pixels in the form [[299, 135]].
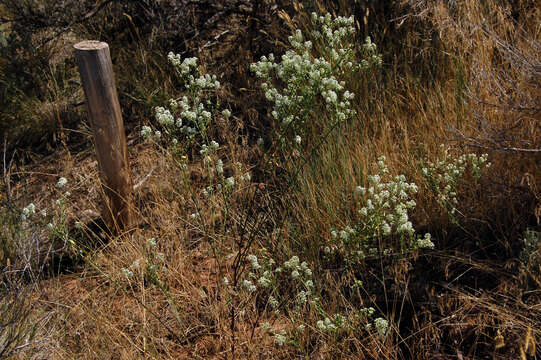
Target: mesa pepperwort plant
[[302, 86]]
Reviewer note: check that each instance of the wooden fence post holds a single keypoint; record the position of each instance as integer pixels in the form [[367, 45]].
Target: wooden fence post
[[98, 82]]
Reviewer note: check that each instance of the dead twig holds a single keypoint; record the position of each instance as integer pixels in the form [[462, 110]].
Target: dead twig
[[7, 171]]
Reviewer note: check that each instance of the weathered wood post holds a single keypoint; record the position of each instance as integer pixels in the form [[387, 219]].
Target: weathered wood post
[[98, 82]]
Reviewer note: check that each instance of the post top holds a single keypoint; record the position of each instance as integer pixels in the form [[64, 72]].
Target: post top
[[91, 45]]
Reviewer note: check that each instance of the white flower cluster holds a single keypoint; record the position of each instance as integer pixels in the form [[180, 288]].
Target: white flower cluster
[[531, 250], [186, 66], [248, 285], [304, 79], [384, 212], [220, 166], [381, 326], [152, 266], [53, 219], [253, 262], [338, 321], [28, 211], [223, 185], [191, 110], [230, 182], [424, 243], [147, 133], [266, 276], [444, 176], [209, 149], [332, 324], [372, 58], [164, 116], [386, 204], [188, 115], [334, 31], [367, 312], [61, 182], [280, 338], [127, 273]]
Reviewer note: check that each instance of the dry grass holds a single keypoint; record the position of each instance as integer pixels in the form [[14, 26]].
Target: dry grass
[[473, 86]]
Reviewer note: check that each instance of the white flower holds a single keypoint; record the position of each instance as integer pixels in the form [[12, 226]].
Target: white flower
[[146, 132], [30, 209], [405, 227], [298, 139], [226, 113], [263, 282], [292, 263], [246, 177], [386, 229], [164, 117], [247, 284], [61, 182], [230, 181], [127, 273], [220, 167], [273, 303], [301, 297], [254, 262], [369, 203], [381, 326], [280, 338], [425, 243]]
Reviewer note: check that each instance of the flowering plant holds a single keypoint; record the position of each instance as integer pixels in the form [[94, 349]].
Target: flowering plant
[[444, 176], [186, 117], [267, 280], [302, 86], [383, 212]]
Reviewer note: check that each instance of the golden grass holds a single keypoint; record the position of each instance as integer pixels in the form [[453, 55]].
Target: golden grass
[[470, 298]]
